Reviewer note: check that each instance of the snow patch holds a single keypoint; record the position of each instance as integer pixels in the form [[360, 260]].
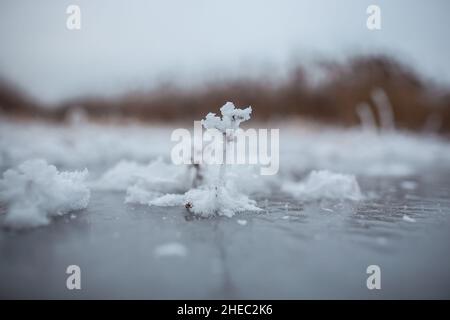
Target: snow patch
[[408, 218], [156, 176], [325, 185], [36, 191], [409, 185], [204, 201], [242, 222]]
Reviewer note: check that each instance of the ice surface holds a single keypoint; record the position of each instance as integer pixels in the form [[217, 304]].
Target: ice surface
[[36, 191], [325, 185], [171, 249], [296, 243]]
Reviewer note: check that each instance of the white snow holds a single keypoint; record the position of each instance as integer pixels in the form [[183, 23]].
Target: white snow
[[206, 201], [409, 185], [158, 188], [148, 181], [216, 195], [325, 185], [82, 145], [303, 147], [36, 191], [231, 118], [210, 200], [308, 147], [156, 176], [242, 222], [171, 249], [167, 200], [408, 218]]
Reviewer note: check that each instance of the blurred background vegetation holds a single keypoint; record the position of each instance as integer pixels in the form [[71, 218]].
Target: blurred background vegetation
[[417, 105]]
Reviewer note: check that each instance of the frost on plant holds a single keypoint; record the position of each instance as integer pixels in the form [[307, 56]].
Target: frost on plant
[[231, 118], [36, 191], [212, 195]]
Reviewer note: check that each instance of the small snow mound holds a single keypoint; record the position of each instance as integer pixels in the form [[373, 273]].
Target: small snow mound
[[325, 185], [408, 218], [36, 191], [168, 200], [242, 222], [220, 201], [204, 201], [171, 249], [157, 176]]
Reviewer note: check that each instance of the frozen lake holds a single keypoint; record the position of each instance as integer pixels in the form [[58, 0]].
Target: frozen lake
[[315, 250], [292, 249]]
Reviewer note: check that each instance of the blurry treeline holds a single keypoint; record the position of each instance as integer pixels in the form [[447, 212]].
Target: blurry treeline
[[345, 89]]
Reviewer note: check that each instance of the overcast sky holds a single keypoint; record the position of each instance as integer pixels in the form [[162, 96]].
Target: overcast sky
[[125, 45]]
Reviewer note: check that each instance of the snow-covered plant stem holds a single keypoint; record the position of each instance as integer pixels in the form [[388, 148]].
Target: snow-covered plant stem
[[227, 124], [209, 195], [221, 183]]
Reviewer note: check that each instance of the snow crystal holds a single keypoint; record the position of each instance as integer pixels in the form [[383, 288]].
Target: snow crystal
[[171, 249], [36, 191], [325, 185]]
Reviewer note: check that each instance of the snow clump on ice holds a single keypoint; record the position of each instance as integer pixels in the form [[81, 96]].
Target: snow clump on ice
[[36, 191], [325, 185]]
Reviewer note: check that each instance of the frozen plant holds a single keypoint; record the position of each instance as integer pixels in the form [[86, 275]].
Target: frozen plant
[[230, 121], [209, 196], [220, 198], [36, 191]]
